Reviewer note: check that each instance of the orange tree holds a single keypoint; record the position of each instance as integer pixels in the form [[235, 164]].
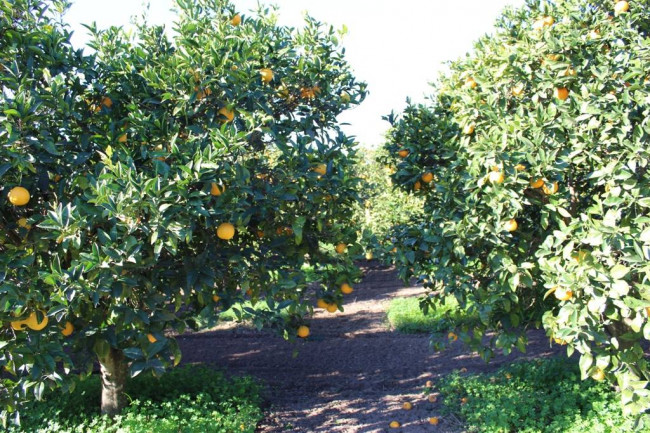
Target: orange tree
[[159, 180], [535, 146], [382, 206]]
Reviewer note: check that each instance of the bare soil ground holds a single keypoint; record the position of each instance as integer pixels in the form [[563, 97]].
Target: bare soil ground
[[353, 373]]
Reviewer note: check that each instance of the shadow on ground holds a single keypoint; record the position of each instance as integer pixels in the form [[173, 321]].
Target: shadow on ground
[[353, 374]]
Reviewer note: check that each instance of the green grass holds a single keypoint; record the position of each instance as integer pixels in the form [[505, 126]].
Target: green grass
[[542, 396], [405, 315], [192, 399]]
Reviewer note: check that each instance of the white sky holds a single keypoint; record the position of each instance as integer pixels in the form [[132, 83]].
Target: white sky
[[397, 47]]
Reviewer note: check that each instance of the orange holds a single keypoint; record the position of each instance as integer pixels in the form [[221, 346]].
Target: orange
[[228, 114], [463, 400], [538, 183], [107, 102], [22, 222], [511, 225], [33, 323], [151, 338], [395, 424], [267, 75], [621, 7], [68, 329], [18, 196], [307, 93], [434, 420], [403, 153], [599, 375], [580, 256], [559, 341], [346, 289], [508, 376], [122, 138], [569, 72], [332, 308], [563, 294], [647, 311], [518, 90], [432, 398], [369, 255], [496, 177], [341, 247], [407, 406], [226, 231], [215, 190], [520, 167], [469, 129], [562, 93], [18, 325], [216, 298], [303, 331], [260, 234], [321, 169], [552, 190], [452, 336], [469, 82], [236, 20], [417, 186], [540, 23], [429, 384], [427, 177], [321, 303]]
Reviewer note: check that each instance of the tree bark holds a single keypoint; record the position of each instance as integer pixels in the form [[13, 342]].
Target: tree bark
[[114, 376]]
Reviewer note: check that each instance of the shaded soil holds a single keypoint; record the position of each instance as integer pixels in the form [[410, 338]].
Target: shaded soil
[[353, 373]]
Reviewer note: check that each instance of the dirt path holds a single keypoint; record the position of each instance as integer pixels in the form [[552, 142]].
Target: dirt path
[[354, 373]]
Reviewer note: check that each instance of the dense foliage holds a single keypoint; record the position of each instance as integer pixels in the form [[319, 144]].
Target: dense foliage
[[160, 179], [545, 395], [533, 159], [191, 399]]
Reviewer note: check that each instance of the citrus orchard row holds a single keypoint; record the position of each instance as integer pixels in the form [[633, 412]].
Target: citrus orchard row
[[158, 181], [532, 158]]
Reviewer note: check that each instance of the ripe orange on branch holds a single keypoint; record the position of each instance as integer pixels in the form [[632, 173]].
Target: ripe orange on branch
[[68, 329], [427, 177], [496, 177], [321, 169], [226, 231], [303, 331], [621, 7], [266, 74], [228, 114], [216, 190], [561, 93], [18, 196], [511, 225], [563, 294]]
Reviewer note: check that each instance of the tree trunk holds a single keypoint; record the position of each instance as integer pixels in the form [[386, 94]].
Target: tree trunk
[[114, 377]]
